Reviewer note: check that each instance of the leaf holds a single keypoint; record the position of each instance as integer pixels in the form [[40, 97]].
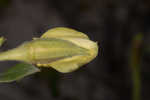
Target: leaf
[[18, 72]]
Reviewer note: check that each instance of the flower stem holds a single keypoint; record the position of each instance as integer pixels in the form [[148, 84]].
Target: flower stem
[[135, 66]]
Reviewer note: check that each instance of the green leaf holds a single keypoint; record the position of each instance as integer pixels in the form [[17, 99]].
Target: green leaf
[[18, 72]]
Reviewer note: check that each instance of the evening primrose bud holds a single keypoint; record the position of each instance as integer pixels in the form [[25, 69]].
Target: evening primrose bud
[[63, 49]]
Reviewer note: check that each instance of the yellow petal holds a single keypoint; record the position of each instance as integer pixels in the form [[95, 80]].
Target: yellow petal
[[63, 32]]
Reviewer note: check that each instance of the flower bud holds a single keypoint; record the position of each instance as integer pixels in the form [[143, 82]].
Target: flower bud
[[61, 48]]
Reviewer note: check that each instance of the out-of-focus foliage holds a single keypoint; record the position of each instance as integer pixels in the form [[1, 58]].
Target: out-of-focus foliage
[[135, 64], [2, 40], [4, 3]]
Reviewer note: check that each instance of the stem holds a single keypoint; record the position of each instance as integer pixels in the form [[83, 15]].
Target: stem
[[18, 54], [135, 66], [136, 84]]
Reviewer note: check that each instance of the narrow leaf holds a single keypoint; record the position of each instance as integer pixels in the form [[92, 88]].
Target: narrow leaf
[[18, 72]]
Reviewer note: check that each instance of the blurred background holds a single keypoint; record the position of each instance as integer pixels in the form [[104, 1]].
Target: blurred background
[[121, 71]]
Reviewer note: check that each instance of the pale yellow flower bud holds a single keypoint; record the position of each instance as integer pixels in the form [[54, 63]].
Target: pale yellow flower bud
[[63, 49]]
